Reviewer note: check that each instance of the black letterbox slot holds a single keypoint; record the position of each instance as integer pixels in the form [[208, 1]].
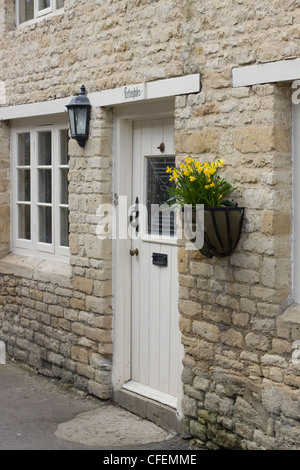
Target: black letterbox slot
[[159, 259]]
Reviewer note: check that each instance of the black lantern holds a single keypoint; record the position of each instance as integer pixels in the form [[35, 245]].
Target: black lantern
[[79, 110]]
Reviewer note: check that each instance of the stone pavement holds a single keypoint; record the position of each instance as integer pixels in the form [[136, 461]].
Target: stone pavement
[[39, 413]]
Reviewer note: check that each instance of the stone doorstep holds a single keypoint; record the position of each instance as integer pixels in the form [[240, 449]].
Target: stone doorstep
[[162, 415]]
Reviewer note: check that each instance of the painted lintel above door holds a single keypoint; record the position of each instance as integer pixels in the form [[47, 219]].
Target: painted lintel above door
[[146, 91], [183, 85]]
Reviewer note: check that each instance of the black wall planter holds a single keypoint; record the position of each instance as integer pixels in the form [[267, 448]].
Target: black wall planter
[[222, 228]]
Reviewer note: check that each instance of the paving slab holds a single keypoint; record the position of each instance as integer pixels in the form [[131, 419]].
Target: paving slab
[[110, 425], [40, 413]]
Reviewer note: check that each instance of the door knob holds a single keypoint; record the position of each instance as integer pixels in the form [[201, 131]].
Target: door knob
[[133, 252], [162, 147]]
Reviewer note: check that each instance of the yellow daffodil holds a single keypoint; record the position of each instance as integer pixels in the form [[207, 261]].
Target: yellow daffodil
[[208, 188], [189, 160], [188, 170], [199, 167], [209, 171]]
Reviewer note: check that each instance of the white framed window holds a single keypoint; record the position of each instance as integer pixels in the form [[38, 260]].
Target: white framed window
[[29, 10], [40, 211]]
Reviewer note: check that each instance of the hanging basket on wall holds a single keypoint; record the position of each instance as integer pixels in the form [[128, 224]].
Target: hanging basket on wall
[[199, 184], [222, 229]]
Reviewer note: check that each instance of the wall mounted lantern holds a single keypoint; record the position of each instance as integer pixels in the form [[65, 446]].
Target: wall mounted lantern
[[79, 110]]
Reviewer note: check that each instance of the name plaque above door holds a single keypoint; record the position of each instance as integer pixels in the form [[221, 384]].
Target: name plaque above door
[[134, 92]]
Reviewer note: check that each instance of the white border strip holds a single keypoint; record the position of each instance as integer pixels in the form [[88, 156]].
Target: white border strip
[[153, 90], [151, 393], [271, 72], [43, 108]]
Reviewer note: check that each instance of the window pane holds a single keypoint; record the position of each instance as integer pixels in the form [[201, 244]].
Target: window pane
[[42, 4], [26, 10], [24, 231], [159, 222], [64, 139], [59, 3], [45, 186], [64, 186], [23, 185], [44, 148], [45, 224], [64, 226], [24, 149]]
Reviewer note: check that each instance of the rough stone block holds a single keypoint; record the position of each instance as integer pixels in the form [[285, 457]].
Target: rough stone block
[[197, 142], [254, 139], [257, 342], [190, 309], [278, 398], [103, 288], [99, 305], [206, 330], [83, 285], [99, 390], [198, 430], [217, 314], [189, 406], [77, 304], [185, 325], [79, 354], [232, 338], [199, 349], [276, 223]]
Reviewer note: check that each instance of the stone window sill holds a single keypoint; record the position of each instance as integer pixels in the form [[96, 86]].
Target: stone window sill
[[37, 269]]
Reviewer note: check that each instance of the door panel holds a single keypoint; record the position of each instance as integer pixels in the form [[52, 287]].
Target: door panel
[[155, 337]]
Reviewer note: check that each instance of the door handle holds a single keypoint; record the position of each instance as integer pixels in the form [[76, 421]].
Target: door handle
[[135, 216], [133, 252]]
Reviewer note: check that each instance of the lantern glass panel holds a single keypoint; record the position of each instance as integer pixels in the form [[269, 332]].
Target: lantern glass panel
[[72, 121], [81, 115]]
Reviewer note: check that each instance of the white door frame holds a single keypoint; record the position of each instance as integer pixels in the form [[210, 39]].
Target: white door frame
[[123, 133]]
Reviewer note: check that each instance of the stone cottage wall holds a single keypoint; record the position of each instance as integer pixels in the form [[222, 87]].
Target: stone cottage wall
[[240, 383], [241, 387], [57, 317], [6, 16], [101, 44]]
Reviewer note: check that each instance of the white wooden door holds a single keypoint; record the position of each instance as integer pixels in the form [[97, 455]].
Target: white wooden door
[[155, 336]]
